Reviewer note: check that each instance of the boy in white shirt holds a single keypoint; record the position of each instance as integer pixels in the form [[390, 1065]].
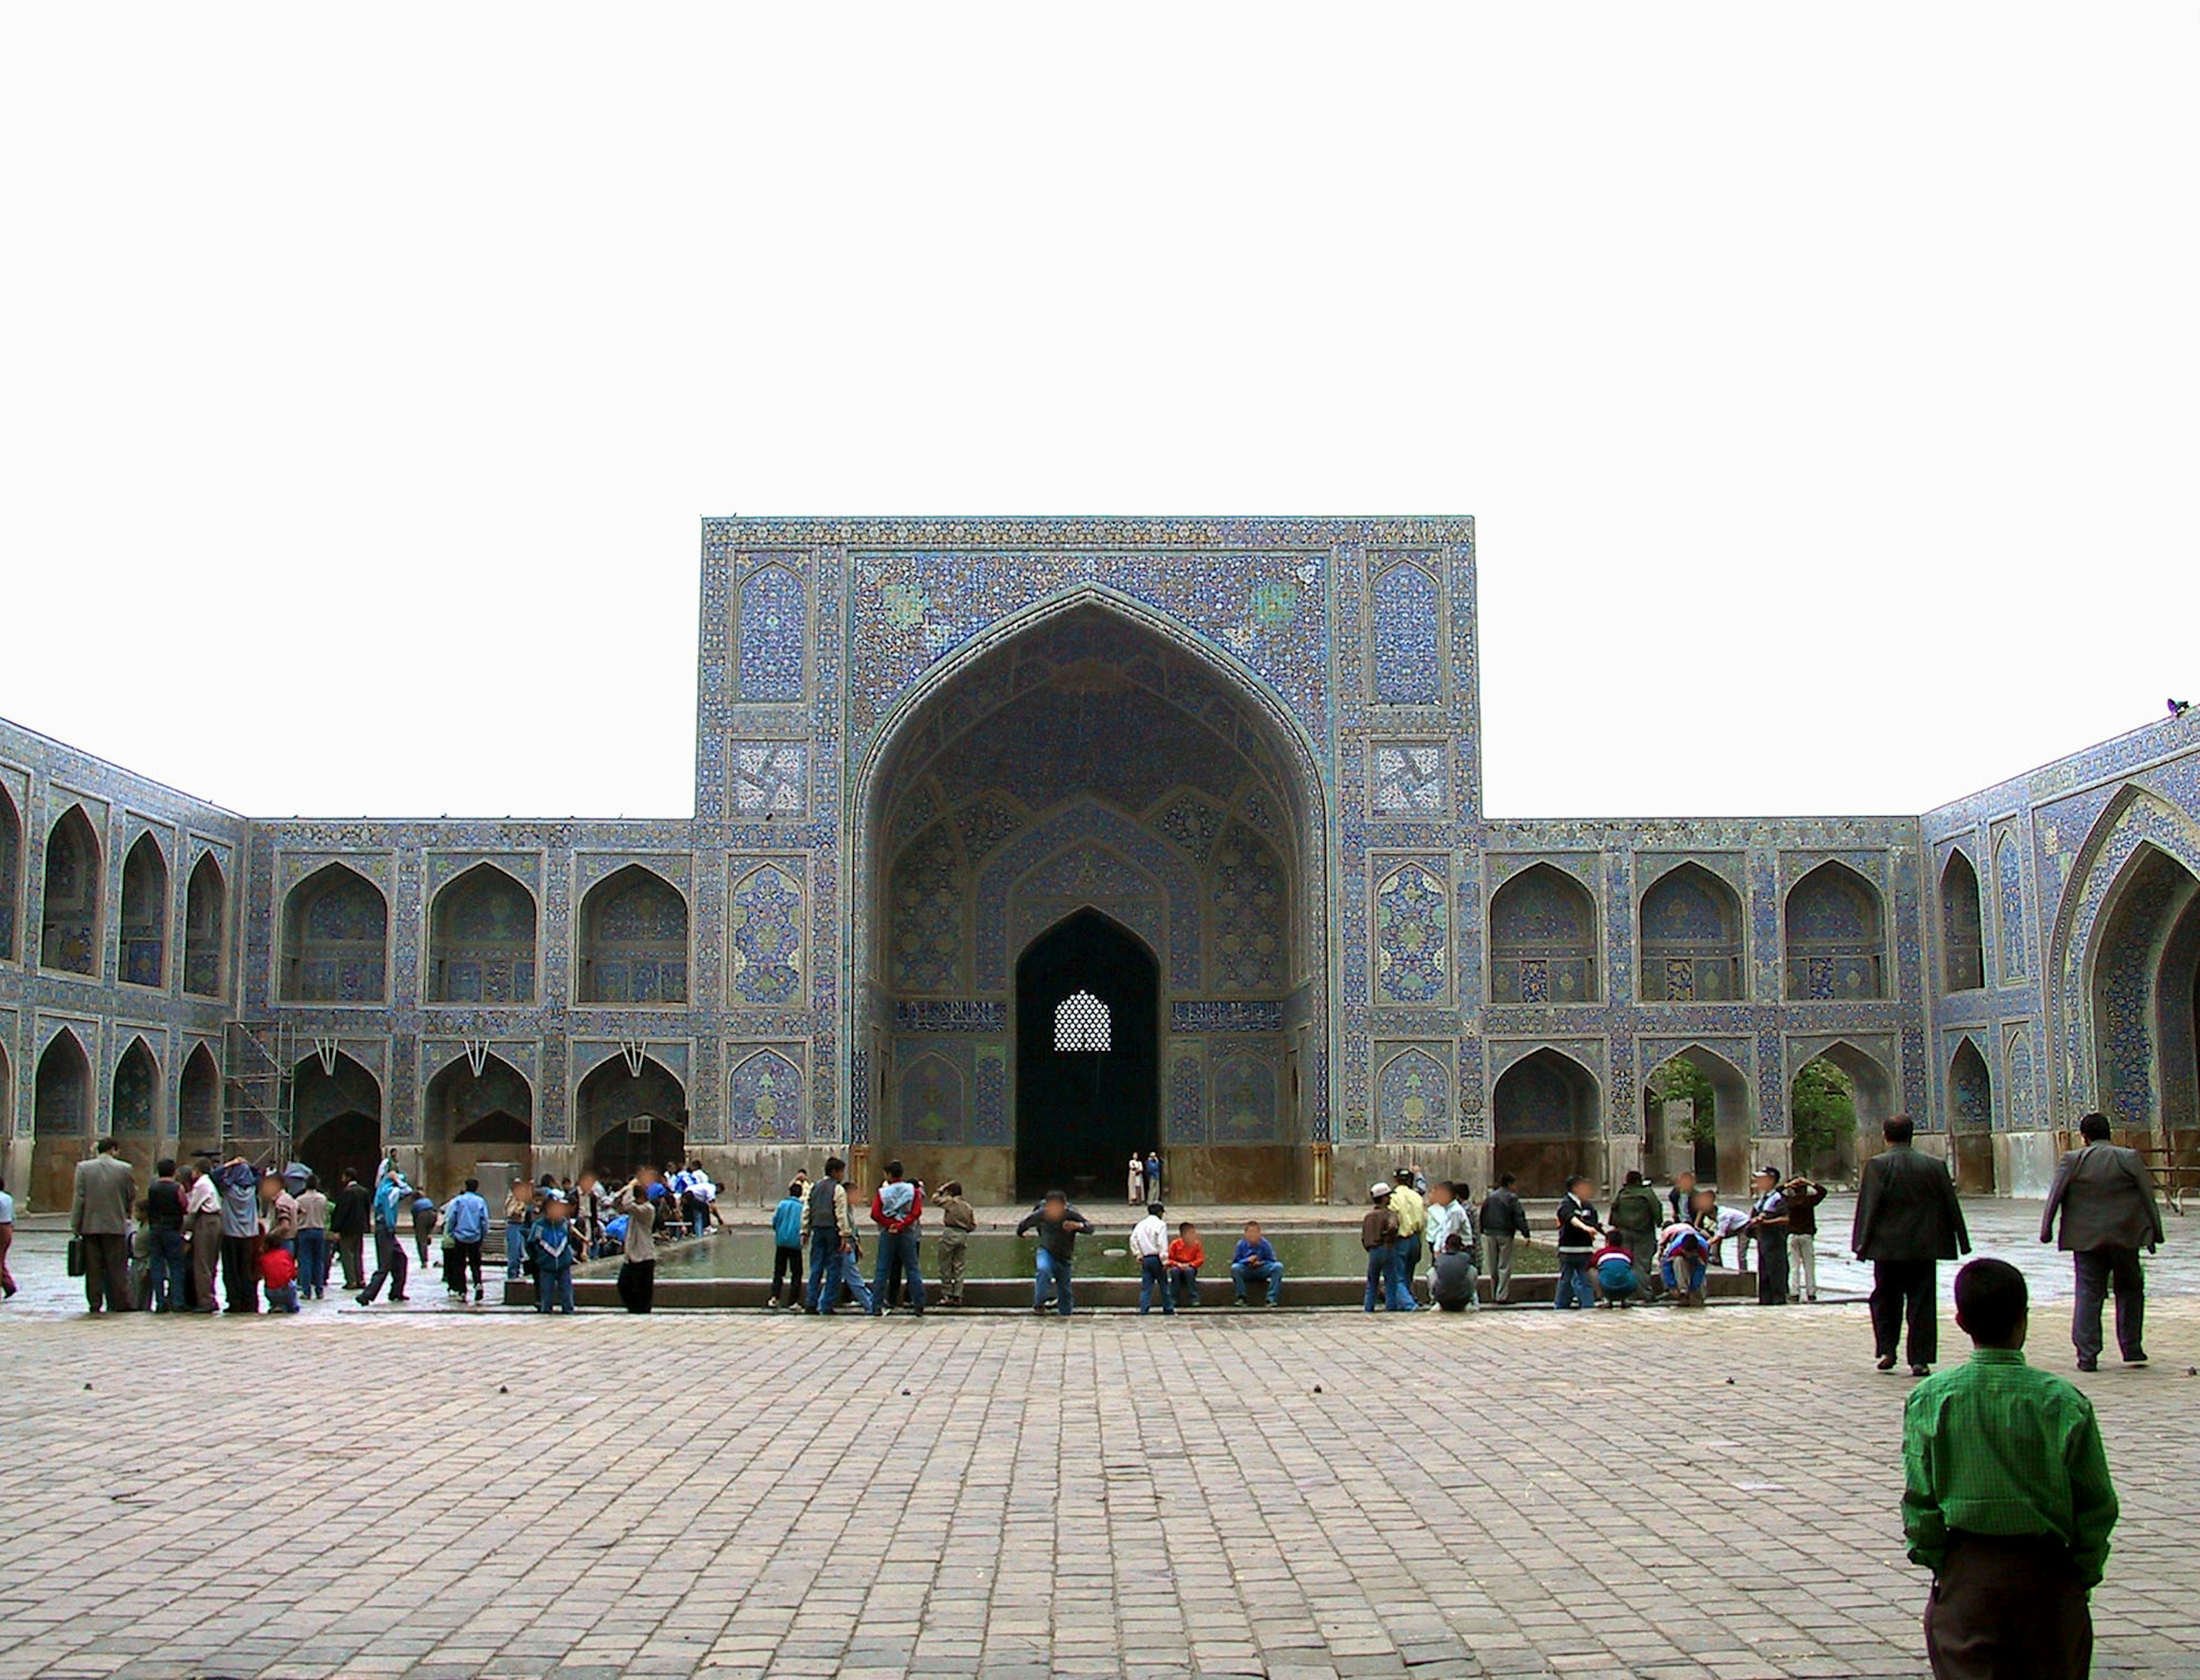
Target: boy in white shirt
[[1149, 1241]]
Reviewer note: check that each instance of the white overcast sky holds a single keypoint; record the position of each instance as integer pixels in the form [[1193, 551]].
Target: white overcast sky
[[1822, 378]]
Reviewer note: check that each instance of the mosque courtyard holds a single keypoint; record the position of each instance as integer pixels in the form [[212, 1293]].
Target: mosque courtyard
[[429, 1494]]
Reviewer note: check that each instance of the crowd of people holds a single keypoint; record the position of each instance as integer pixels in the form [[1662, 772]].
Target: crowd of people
[[206, 1237], [209, 1238]]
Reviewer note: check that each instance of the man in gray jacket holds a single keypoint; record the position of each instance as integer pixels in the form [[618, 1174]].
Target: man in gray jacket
[[2106, 1197], [100, 1219]]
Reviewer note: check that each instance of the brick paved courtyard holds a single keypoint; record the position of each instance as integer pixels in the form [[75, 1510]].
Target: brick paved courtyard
[[437, 1494]]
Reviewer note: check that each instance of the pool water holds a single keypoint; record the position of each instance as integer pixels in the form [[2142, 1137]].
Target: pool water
[[747, 1254]]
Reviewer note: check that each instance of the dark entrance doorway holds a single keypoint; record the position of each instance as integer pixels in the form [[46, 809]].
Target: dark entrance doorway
[[1088, 1057]]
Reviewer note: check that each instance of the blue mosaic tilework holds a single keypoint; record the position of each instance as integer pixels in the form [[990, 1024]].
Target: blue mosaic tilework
[[765, 1097], [775, 635], [2010, 919], [764, 922], [1406, 621], [1412, 1095]]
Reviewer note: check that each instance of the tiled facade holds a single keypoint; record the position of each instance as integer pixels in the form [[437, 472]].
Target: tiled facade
[[1255, 745]]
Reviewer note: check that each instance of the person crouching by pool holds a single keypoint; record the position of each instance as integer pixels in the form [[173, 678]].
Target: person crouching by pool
[[1254, 1261], [1057, 1224], [1452, 1283], [1186, 1255]]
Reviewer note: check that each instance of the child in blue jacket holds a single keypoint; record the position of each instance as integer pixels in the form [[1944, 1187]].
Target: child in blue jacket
[[786, 1255], [550, 1245]]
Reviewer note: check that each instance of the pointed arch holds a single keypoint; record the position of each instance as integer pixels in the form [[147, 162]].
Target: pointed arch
[[1690, 925], [69, 931], [61, 1118], [135, 1101], [1871, 1090], [1971, 1117], [633, 947], [1962, 939], [145, 912], [625, 1120], [336, 939], [1835, 938], [1544, 1120], [481, 939], [1542, 939], [11, 875], [468, 1117], [940, 840], [206, 928], [198, 1104], [1727, 1153], [336, 1117]]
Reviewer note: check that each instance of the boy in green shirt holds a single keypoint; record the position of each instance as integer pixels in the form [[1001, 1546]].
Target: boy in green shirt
[[2006, 1498]]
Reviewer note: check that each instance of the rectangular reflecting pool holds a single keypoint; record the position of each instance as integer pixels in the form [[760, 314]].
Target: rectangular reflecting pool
[[747, 1254]]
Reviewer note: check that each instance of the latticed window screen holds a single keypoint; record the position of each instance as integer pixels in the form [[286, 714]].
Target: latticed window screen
[[1081, 1023]]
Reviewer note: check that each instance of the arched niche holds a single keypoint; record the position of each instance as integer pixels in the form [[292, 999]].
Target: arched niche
[[633, 947], [68, 933], [1690, 924], [1836, 942], [481, 939], [336, 939], [1542, 939], [1544, 1121]]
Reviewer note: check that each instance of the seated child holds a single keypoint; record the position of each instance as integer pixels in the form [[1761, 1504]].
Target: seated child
[[278, 1275], [1186, 1256], [1451, 1276], [550, 1246], [1682, 1255], [1615, 1272]]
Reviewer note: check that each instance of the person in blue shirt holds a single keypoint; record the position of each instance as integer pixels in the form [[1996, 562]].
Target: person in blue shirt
[[550, 1245], [465, 1223], [786, 1249], [393, 1198], [1254, 1261]]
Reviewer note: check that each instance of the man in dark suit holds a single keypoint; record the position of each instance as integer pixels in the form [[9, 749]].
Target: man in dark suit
[[100, 1218], [2106, 1197], [1907, 1222]]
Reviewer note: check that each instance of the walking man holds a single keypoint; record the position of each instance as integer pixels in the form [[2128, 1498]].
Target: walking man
[[312, 1236], [2006, 1498], [831, 1242], [896, 1205], [164, 1222], [348, 1219], [99, 1218], [2105, 1197], [393, 1199], [466, 1220], [1907, 1222], [1504, 1220]]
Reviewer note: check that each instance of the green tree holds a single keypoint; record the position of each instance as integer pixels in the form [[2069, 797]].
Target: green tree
[[1822, 1112]]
